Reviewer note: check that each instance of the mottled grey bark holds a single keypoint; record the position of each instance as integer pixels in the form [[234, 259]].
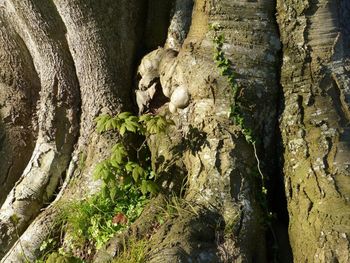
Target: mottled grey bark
[[19, 88], [83, 45], [42, 32], [208, 148], [179, 24], [84, 53], [315, 127]]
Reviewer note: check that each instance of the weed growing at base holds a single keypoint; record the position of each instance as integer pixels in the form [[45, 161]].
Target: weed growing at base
[[134, 252], [97, 219], [128, 182]]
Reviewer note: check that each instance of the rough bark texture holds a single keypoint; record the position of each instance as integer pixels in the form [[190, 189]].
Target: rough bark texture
[[43, 33], [314, 126], [19, 88], [221, 186], [103, 50], [83, 54]]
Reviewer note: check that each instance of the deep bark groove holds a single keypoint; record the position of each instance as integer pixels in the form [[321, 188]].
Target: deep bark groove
[[57, 115], [82, 54], [315, 131]]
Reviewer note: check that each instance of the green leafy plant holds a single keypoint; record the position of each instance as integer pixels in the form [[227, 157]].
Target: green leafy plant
[[97, 219], [127, 181], [56, 257], [127, 177], [128, 165]]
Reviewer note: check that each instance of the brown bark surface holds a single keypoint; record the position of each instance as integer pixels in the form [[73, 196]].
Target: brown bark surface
[[65, 62], [18, 94], [314, 126]]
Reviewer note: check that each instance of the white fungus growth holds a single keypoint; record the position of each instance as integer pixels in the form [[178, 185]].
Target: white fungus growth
[[172, 108], [160, 67], [180, 97]]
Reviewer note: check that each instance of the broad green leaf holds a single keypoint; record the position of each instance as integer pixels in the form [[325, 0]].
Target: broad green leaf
[[119, 153], [115, 163], [143, 187], [124, 115], [109, 125], [152, 187], [101, 122], [130, 166], [113, 192], [115, 123], [97, 171], [161, 124], [131, 125], [138, 173], [145, 118], [122, 129], [133, 119]]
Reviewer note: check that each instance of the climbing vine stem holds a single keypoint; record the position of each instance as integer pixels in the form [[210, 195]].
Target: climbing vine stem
[[225, 68], [236, 114]]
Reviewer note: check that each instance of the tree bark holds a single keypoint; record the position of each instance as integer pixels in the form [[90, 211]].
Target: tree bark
[[102, 51], [210, 149], [314, 127], [19, 92], [43, 33], [64, 62]]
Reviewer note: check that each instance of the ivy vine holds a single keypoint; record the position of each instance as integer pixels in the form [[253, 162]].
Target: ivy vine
[[236, 114]]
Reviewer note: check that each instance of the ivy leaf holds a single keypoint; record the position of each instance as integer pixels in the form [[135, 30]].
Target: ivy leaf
[[105, 191], [115, 164], [97, 171], [132, 124], [145, 118], [109, 125], [151, 126], [116, 123], [113, 192], [133, 119], [101, 122], [122, 129], [161, 124], [143, 187]]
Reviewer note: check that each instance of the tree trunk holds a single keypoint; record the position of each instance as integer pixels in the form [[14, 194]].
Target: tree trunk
[[212, 151], [99, 68], [314, 126], [19, 93], [65, 62], [57, 115]]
